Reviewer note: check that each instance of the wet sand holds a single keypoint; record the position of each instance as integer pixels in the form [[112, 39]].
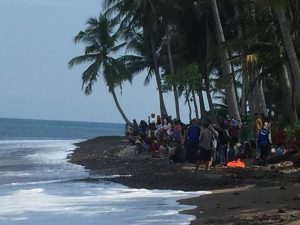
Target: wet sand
[[247, 205], [254, 195]]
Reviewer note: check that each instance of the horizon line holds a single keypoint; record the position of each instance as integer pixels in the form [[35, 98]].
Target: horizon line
[[59, 120]]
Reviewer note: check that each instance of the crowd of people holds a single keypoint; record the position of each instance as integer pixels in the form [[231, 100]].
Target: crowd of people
[[202, 141]]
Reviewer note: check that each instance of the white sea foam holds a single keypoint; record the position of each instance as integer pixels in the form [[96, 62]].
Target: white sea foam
[[14, 173], [80, 203], [30, 144], [37, 161], [49, 191], [108, 177], [34, 183]]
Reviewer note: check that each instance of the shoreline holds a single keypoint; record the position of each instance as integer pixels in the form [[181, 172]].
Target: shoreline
[[110, 155], [247, 205]]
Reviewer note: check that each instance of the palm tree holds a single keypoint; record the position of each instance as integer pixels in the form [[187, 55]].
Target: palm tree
[[288, 94], [263, 59], [290, 50], [170, 58], [134, 14], [138, 56], [168, 9], [184, 21], [101, 43], [233, 109]]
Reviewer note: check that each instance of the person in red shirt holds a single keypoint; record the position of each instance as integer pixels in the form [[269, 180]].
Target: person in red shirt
[[279, 136], [292, 142]]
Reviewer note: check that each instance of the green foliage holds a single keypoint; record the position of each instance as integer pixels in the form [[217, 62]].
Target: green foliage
[[186, 75], [253, 42], [292, 130], [297, 130]]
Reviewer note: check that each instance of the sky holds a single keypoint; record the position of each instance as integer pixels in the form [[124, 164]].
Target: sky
[[36, 44]]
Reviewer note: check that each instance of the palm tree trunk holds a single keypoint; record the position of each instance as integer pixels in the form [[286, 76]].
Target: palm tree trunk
[[259, 100], [201, 103], [163, 110], [234, 83], [262, 97], [256, 98], [176, 99], [243, 109], [189, 104], [287, 94], [258, 94], [172, 72], [209, 98], [244, 95], [250, 96], [112, 91], [195, 104], [289, 47], [233, 109], [236, 17], [206, 75], [256, 103], [250, 93]]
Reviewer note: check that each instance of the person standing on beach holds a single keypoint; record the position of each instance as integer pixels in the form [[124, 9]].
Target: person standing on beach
[[205, 144], [264, 142], [258, 125], [212, 128], [279, 136], [223, 140], [152, 119], [177, 135], [193, 134]]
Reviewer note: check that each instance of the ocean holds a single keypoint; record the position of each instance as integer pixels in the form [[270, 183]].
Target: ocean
[[38, 186]]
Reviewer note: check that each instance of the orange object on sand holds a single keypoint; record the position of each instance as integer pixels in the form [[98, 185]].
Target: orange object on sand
[[236, 164]]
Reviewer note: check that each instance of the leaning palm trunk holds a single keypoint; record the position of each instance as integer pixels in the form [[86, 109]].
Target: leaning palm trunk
[[233, 109], [287, 93], [172, 73], [112, 91], [163, 110], [289, 47]]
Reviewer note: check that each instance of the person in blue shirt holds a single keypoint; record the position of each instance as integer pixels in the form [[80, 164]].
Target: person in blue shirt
[[264, 142], [193, 134]]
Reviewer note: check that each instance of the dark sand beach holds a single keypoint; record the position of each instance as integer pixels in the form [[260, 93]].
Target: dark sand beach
[[254, 195]]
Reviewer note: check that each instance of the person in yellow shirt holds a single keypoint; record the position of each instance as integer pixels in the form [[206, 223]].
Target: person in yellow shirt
[[258, 125]]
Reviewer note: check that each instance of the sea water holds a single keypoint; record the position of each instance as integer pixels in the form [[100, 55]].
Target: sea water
[[39, 187]]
